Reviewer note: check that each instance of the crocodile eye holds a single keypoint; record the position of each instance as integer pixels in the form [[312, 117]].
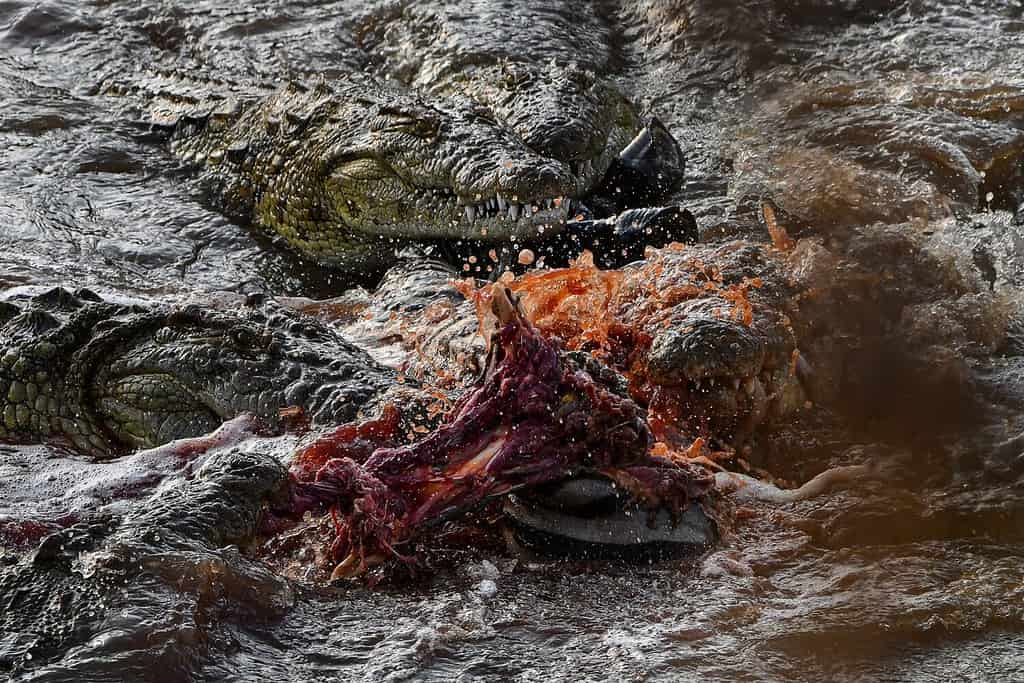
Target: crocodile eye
[[421, 124], [515, 76]]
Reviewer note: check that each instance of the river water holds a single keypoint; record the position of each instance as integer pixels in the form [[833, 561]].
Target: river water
[[858, 118]]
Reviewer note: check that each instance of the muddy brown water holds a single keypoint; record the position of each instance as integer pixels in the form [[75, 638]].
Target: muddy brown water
[[878, 116]]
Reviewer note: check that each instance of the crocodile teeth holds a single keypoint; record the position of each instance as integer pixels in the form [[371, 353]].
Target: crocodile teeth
[[497, 206]]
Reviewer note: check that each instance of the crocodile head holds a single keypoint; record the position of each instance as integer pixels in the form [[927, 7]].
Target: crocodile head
[[110, 377], [421, 171], [186, 372], [723, 358], [345, 171]]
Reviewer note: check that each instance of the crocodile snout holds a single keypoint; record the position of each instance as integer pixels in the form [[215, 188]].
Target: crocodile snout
[[705, 348]]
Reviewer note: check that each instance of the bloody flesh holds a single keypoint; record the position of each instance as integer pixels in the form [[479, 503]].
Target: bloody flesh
[[535, 417], [616, 315]]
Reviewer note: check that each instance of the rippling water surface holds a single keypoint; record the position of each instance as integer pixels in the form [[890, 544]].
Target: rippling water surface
[[874, 117]]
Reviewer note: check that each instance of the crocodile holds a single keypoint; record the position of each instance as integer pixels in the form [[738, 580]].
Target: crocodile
[[108, 377], [92, 588], [494, 151], [343, 171], [700, 333]]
